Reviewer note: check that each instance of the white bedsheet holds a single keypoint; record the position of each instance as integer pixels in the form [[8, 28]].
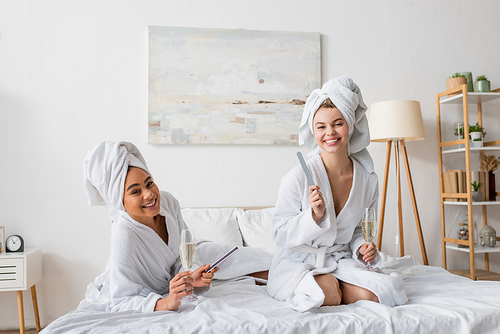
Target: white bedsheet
[[439, 302]]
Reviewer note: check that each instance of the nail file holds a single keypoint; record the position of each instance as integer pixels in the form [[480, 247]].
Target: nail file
[[306, 170], [222, 259]]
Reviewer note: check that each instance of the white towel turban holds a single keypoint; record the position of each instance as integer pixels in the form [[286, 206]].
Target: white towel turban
[[346, 96], [105, 169]]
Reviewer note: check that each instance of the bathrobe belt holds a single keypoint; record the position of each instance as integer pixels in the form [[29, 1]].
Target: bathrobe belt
[[321, 252]]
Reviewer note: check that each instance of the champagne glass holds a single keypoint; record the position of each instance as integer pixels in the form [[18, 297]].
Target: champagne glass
[[369, 226], [188, 254]]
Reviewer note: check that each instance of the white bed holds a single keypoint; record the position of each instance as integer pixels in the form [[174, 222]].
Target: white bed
[[439, 302]]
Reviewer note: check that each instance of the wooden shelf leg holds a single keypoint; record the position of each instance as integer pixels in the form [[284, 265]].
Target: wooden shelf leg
[[35, 308], [441, 184], [20, 308], [384, 196]]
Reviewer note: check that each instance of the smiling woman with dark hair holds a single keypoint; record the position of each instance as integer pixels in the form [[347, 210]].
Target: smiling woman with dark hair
[[144, 269]]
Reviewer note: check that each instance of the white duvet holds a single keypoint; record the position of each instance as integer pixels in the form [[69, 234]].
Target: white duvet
[[438, 302]]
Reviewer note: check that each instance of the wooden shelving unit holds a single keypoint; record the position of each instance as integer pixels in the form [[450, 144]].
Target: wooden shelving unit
[[465, 98]]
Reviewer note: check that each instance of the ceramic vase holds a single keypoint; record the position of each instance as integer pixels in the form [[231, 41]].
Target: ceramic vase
[[482, 86], [470, 82], [476, 139]]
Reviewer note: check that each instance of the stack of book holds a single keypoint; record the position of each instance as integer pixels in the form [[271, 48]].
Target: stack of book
[[454, 181]]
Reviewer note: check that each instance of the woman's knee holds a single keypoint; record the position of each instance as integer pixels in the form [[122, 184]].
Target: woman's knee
[[331, 289], [365, 294], [352, 293]]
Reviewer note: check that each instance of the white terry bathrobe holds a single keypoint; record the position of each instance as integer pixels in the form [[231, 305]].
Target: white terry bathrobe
[[141, 265], [308, 248]]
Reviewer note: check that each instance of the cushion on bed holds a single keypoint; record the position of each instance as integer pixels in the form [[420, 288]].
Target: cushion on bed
[[256, 228], [214, 224]]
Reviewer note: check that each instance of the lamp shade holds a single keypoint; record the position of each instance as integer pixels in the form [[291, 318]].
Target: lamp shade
[[396, 120]]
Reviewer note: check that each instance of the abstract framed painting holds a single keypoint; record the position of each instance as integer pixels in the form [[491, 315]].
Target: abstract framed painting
[[217, 86]]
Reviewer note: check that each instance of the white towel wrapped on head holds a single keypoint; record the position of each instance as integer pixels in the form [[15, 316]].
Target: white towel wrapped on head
[[141, 263], [105, 169], [346, 96]]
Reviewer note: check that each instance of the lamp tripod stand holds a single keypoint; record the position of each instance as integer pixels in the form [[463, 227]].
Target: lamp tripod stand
[[399, 144]]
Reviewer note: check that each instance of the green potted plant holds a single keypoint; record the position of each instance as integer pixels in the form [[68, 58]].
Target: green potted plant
[[482, 84], [455, 80], [476, 135], [476, 193]]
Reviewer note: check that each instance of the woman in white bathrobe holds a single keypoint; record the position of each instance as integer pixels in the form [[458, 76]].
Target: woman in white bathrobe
[[322, 253], [143, 268]]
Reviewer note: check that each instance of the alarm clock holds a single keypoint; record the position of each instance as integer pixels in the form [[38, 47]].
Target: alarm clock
[[14, 244]]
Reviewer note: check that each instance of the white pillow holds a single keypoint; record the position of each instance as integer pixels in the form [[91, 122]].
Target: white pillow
[[256, 228], [219, 225]]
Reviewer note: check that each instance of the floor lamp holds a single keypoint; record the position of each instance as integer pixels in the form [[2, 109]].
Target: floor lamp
[[395, 122]]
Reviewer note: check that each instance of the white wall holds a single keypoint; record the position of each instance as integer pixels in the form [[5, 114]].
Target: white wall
[[74, 73]]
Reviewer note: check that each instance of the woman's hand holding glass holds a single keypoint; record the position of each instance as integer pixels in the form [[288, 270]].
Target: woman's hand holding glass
[[369, 227], [199, 277], [182, 286], [317, 203], [179, 287], [369, 252], [187, 253]]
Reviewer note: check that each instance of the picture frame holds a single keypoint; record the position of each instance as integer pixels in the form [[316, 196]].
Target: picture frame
[[229, 86], [2, 239]]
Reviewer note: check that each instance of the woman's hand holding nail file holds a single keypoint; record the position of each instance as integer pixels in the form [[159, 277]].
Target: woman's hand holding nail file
[[315, 196]]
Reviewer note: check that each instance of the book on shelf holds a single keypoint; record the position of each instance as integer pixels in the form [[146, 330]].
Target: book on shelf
[[455, 181], [450, 183], [485, 180], [461, 180], [486, 189]]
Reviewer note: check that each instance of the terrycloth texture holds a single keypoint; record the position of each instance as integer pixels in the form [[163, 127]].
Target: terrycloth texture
[[105, 169], [141, 265], [439, 302], [307, 248], [346, 96], [245, 261]]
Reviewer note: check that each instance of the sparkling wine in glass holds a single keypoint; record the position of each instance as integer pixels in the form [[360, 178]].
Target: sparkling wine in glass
[[369, 226], [188, 254]]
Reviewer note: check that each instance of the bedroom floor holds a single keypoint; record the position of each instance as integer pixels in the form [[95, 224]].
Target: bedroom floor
[[14, 331]]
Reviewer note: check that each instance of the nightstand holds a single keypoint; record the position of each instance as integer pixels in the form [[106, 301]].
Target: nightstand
[[19, 272]]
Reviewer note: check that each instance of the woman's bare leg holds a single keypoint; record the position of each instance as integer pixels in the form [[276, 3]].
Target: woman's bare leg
[[330, 286], [352, 293], [260, 274]]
